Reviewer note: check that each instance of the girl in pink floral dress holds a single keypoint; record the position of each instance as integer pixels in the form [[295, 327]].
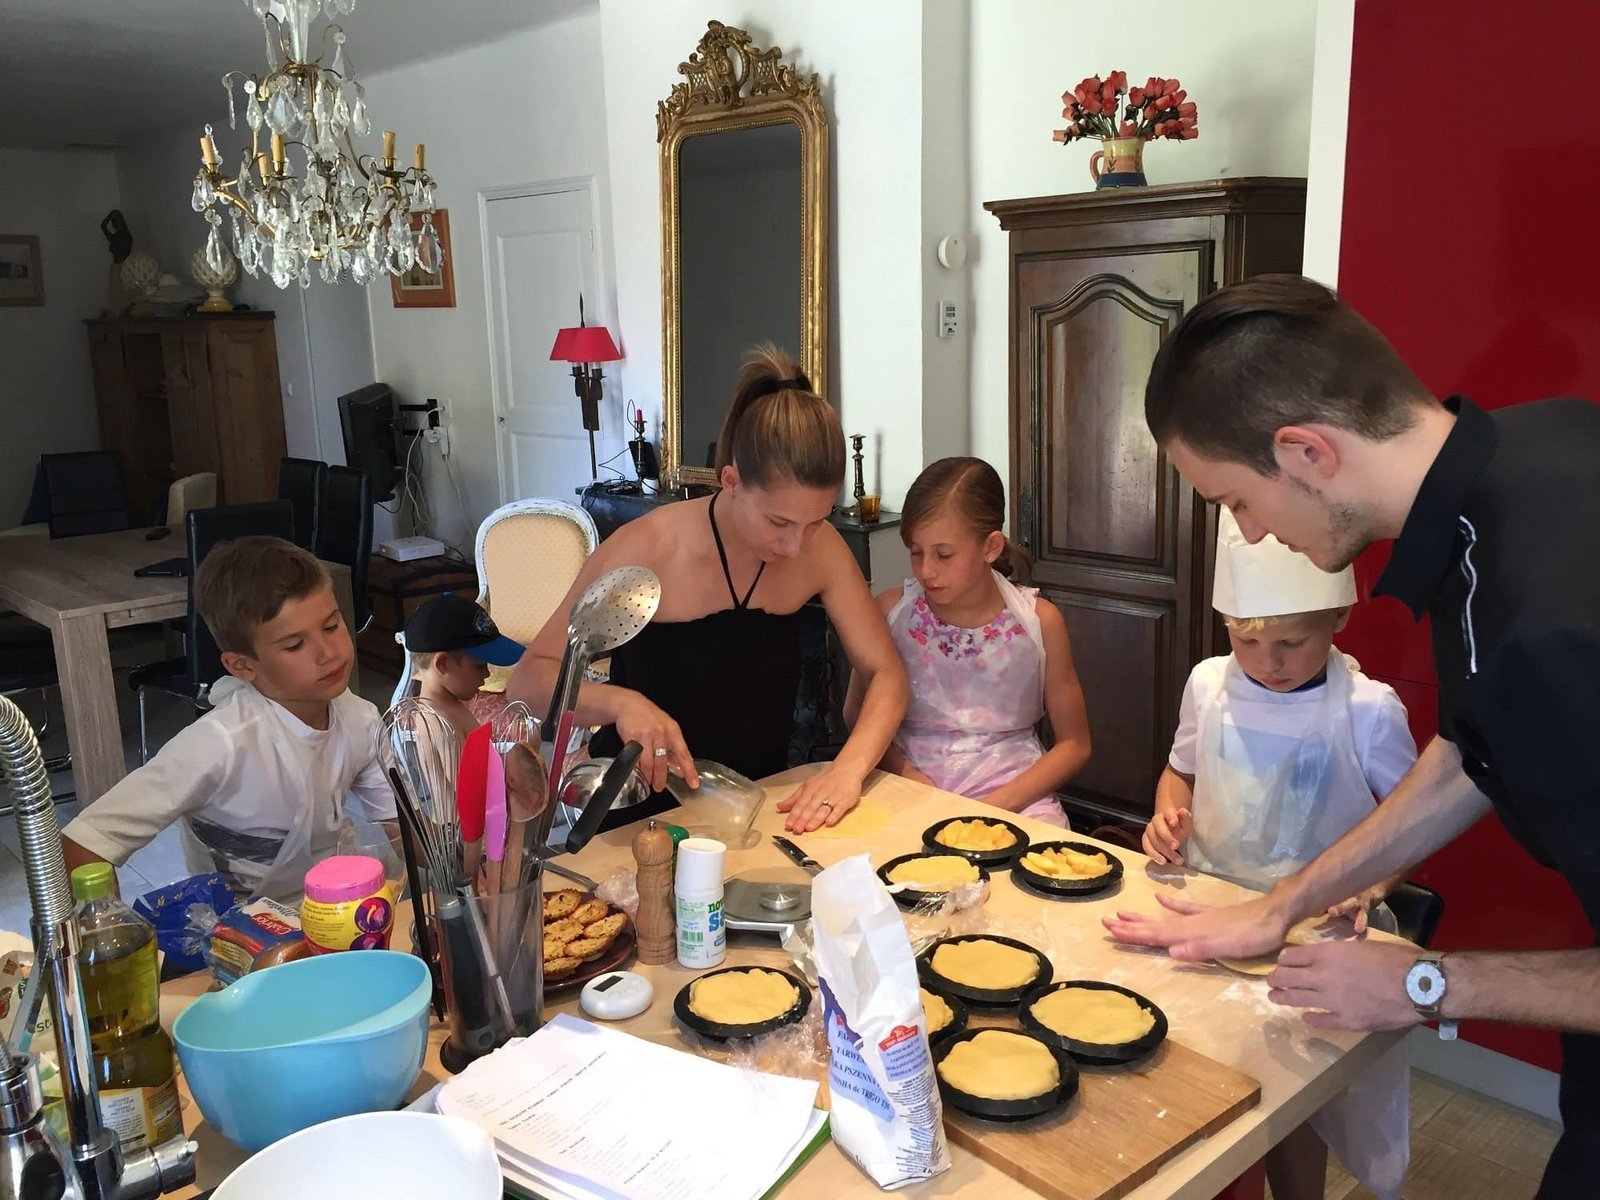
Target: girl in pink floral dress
[[987, 660]]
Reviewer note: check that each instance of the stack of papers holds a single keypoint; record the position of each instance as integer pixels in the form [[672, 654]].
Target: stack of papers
[[588, 1113]]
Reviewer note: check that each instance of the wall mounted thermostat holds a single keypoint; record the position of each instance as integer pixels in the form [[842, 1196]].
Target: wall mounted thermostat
[[616, 995], [952, 252]]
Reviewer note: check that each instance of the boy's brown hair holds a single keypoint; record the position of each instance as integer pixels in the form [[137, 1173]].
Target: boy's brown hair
[[1248, 625], [244, 583]]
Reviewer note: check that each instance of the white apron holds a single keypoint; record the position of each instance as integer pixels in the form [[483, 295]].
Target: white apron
[[1260, 815]]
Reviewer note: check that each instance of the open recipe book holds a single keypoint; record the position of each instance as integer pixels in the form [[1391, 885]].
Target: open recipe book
[[581, 1112]]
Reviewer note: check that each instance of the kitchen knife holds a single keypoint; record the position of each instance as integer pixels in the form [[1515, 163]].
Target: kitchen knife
[[810, 865]]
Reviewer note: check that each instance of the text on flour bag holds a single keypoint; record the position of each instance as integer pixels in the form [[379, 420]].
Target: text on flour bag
[[887, 1117]]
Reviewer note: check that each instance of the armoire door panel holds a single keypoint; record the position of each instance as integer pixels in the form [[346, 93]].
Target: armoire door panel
[[1107, 487], [1123, 651]]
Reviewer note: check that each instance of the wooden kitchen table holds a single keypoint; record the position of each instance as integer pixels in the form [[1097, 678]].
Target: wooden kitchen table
[[81, 587], [1210, 1009]]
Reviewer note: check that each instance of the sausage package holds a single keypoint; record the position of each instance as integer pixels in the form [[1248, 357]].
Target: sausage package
[[887, 1116]]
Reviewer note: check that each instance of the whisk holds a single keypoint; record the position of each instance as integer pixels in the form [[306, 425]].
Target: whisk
[[423, 748]]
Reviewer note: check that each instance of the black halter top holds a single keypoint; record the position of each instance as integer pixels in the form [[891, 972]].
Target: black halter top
[[729, 679]]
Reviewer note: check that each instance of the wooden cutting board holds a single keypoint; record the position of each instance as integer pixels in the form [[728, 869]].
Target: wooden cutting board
[[1120, 1127]]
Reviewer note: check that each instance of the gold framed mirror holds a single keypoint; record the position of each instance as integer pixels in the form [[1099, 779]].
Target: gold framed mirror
[[744, 233]]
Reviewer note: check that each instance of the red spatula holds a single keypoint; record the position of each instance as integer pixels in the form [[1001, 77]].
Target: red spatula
[[472, 789]]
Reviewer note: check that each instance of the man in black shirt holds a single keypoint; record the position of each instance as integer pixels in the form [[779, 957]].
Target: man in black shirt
[[1275, 398]]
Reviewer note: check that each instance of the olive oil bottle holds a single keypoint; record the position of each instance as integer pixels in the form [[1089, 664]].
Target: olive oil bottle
[[133, 1057]]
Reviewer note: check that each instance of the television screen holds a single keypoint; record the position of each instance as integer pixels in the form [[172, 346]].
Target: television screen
[[371, 428]]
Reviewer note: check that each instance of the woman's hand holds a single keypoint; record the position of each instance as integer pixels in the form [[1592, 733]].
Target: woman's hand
[[1165, 835], [663, 748], [821, 800]]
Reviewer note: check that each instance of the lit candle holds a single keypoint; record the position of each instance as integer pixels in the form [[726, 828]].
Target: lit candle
[[388, 147], [208, 150], [418, 160]]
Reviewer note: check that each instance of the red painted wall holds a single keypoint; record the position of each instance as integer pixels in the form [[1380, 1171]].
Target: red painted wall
[[1471, 237]]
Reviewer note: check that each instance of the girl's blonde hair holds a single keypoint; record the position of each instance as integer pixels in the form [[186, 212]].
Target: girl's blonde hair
[[778, 430], [970, 488]]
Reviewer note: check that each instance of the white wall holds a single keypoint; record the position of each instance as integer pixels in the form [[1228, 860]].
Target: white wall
[[526, 109], [1330, 122], [46, 389], [870, 59], [1247, 65]]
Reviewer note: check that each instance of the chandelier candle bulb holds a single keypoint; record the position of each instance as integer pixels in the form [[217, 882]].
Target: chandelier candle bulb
[[417, 162], [264, 167], [208, 150], [388, 147], [277, 152]]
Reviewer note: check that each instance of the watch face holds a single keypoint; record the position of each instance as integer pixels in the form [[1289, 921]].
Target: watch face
[[1425, 984]]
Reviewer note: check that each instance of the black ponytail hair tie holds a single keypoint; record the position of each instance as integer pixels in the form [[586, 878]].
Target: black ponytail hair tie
[[798, 384]]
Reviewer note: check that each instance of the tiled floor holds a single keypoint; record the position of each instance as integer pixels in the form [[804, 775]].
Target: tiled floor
[[1464, 1146], [161, 862]]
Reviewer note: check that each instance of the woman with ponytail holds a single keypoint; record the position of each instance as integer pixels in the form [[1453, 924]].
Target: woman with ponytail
[[986, 659], [716, 672]]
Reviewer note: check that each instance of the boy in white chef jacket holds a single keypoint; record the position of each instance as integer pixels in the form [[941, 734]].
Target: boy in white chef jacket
[[260, 786], [1282, 747]]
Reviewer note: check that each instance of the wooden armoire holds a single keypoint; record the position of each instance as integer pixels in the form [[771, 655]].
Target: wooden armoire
[[1122, 544], [179, 395]]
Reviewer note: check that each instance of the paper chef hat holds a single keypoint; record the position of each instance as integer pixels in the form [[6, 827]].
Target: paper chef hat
[[1270, 580]]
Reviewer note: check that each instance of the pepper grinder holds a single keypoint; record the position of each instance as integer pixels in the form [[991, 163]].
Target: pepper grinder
[[654, 922], [856, 440]]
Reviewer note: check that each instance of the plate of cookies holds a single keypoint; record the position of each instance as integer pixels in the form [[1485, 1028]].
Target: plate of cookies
[[584, 936]]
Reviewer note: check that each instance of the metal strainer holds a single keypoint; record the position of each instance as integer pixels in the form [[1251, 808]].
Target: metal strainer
[[610, 613]]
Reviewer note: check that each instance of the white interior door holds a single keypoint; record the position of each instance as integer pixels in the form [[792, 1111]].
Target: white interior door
[[541, 254]]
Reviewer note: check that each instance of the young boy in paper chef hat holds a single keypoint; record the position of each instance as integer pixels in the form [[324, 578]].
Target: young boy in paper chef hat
[[1283, 746]]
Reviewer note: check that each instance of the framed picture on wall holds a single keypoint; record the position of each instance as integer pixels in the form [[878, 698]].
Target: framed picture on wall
[[21, 280], [417, 288]]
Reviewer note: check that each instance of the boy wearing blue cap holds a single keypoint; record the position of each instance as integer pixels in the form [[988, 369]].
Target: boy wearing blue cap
[[453, 643]]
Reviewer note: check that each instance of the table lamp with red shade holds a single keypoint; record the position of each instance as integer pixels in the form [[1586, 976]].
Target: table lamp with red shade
[[584, 346]]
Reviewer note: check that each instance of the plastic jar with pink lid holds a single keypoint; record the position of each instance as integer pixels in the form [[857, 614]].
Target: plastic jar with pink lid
[[349, 905]]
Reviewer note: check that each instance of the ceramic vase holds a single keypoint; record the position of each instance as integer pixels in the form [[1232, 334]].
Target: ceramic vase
[[1118, 163]]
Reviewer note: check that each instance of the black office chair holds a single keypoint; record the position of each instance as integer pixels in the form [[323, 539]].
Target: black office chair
[[191, 676], [301, 482], [344, 533], [85, 493], [28, 664]]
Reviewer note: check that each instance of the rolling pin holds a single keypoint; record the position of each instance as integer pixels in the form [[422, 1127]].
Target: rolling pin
[[654, 922]]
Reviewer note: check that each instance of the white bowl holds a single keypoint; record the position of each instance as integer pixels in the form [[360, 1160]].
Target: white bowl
[[373, 1156]]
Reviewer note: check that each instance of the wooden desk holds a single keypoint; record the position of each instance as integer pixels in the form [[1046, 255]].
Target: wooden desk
[[1212, 1010], [81, 587]]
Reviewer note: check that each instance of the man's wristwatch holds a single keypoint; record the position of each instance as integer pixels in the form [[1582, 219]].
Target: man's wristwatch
[[1426, 987]]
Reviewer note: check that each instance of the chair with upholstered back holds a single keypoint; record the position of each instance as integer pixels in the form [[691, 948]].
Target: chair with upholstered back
[[85, 492], [300, 482], [344, 532], [192, 491], [528, 553]]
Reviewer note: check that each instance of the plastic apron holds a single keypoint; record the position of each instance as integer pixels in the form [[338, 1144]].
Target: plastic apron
[[264, 866], [1259, 816], [967, 735]]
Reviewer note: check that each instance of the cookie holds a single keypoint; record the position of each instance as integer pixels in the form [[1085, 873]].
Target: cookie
[[555, 947], [562, 904], [607, 928], [563, 930], [590, 911], [559, 968], [588, 949]]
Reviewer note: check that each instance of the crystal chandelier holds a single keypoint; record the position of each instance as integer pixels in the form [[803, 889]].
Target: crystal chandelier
[[341, 212]]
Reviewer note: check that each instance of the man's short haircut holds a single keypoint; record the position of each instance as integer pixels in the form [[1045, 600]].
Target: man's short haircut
[[1271, 351], [244, 583]]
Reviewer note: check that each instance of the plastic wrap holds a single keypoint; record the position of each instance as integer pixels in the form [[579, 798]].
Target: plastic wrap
[[169, 909]]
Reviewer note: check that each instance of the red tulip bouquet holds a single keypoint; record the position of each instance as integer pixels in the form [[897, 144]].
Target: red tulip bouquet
[[1095, 109]]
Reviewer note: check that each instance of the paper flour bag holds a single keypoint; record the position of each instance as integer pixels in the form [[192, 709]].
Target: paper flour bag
[[886, 1111]]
